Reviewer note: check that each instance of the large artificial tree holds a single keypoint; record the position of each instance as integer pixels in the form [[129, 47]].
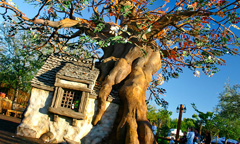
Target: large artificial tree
[[143, 41]]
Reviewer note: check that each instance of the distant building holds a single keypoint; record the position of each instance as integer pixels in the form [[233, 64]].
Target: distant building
[[63, 103]]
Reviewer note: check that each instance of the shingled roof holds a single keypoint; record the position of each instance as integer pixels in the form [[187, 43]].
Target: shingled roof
[[64, 66], [72, 68]]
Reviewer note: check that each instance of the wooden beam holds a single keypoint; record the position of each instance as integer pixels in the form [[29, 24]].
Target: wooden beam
[[43, 87], [66, 112], [54, 96], [75, 79], [59, 97], [84, 98], [73, 87]]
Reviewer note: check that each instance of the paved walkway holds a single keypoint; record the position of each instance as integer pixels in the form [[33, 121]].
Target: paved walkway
[[8, 126]]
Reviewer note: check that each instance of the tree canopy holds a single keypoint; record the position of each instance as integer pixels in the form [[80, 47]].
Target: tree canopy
[[227, 112], [188, 33], [139, 39], [229, 102], [224, 120]]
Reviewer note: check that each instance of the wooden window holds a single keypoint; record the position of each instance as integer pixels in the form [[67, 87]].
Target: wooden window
[[71, 99], [70, 103]]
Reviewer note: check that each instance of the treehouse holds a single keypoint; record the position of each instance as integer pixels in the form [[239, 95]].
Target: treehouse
[[63, 102]]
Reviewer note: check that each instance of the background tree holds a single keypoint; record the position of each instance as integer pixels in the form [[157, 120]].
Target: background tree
[[187, 123], [174, 123], [19, 63], [203, 119], [228, 114], [229, 102], [223, 122], [161, 117], [225, 127], [138, 40]]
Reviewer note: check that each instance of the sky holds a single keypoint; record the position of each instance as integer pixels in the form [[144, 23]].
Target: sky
[[203, 91], [187, 89]]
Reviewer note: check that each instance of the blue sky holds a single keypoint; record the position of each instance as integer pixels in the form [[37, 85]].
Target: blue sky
[[203, 91], [187, 89]]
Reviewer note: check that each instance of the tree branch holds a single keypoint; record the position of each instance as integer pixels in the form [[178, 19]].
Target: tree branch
[[41, 9]]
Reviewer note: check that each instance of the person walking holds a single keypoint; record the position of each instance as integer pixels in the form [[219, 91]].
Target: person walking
[[184, 138], [197, 137], [154, 128], [190, 135]]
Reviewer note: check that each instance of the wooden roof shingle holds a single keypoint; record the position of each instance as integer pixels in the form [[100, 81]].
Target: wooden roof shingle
[[64, 66]]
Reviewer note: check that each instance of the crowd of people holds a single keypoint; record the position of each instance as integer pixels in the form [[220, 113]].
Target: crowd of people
[[193, 137], [190, 137]]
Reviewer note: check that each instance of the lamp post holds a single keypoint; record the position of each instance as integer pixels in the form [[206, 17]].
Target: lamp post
[[180, 109]]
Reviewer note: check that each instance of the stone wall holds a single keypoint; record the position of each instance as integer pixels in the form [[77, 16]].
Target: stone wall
[[38, 121], [36, 118], [104, 127]]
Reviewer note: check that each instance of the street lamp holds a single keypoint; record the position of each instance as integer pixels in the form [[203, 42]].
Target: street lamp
[[180, 109]]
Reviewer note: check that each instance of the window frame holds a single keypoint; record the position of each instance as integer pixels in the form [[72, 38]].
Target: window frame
[[58, 96]]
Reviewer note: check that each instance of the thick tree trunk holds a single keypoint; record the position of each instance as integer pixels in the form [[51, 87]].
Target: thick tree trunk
[[132, 70], [15, 97], [16, 91]]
